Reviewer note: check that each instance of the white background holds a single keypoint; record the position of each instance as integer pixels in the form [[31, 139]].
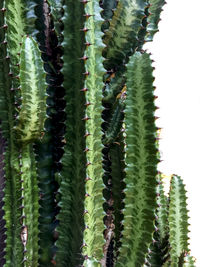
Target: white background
[[176, 51]]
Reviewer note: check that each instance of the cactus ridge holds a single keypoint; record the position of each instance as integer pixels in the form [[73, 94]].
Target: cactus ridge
[[141, 162]]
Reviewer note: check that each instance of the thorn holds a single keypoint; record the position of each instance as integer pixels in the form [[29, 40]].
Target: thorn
[[84, 90], [84, 29], [87, 134], [86, 149], [86, 118], [86, 73], [87, 179], [88, 44], [87, 15], [85, 212], [84, 1], [3, 9], [88, 163], [87, 195], [87, 104], [83, 58]]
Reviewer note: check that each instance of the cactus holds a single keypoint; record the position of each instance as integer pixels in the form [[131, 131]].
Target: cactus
[[78, 139]]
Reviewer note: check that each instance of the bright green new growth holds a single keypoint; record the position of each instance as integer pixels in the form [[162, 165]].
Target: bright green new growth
[[32, 114]]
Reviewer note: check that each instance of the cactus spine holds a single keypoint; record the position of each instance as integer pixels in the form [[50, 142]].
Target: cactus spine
[[78, 141]]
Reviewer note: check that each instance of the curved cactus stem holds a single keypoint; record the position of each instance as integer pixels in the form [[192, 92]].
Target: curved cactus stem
[[30, 122], [121, 39], [153, 19], [178, 219], [94, 213], [141, 162]]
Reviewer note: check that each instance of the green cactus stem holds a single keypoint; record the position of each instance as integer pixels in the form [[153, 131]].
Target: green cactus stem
[[115, 123], [2, 186], [159, 249], [140, 161], [30, 122], [12, 193], [94, 213], [153, 19], [178, 219], [30, 206], [122, 37], [73, 174], [116, 155]]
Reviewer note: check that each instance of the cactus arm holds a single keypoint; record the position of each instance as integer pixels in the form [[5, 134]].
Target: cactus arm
[[30, 206], [153, 19], [141, 162], [93, 235], [178, 219], [30, 122], [121, 38], [72, 176]]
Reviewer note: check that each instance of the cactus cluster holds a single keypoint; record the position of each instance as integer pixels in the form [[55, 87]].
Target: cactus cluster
[[79, 184]]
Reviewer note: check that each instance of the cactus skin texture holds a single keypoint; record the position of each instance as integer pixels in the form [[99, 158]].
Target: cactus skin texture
[[78, 139]]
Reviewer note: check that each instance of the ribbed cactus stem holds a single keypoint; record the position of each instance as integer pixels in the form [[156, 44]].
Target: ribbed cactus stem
[[94, 213], [178, 219], [140, 162]]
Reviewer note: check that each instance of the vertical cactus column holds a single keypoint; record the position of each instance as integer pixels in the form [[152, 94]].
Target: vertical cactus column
[[140, 162], [94, 213], [178, 220], [72, 176]]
